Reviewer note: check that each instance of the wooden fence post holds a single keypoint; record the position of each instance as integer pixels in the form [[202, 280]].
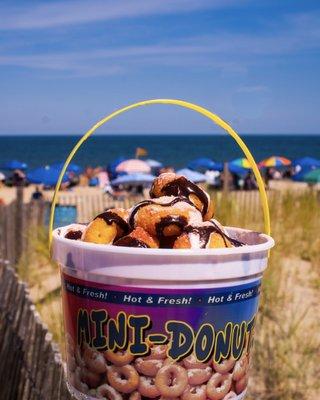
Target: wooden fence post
[[19, 234]]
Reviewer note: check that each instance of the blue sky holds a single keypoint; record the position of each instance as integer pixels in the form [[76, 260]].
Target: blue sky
[[65, 64]]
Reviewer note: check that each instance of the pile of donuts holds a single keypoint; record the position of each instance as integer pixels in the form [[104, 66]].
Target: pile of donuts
[[119, 375], [179, 215]]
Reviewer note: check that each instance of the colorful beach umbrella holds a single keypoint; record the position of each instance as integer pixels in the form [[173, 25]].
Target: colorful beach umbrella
[[312, 176], [193, 176], [133, 165], [274, 161], [204, 164], [14, 164], [46, 175], [133, 179], [240, 162]]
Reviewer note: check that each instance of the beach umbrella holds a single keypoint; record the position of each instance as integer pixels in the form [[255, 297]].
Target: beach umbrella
[[71, 167], [45, 175], [14, 164], [154, 163], [2, 176], [306, 162], [133, 165], [274, 161], [240, 162], [204, 163], [312, 176], [133, 179], [193, 176]]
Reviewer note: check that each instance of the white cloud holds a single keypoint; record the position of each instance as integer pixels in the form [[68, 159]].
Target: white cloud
[[59, 13]]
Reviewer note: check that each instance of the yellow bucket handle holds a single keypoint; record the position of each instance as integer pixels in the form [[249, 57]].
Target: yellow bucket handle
[[203, 111]]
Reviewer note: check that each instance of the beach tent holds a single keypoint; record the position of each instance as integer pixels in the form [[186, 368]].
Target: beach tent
[[133, 179], [193, 176], [274, 162], [204, 164], [14, 164], [154, 163], [312, 176], [132, 166], [47, 175], [71, 167]]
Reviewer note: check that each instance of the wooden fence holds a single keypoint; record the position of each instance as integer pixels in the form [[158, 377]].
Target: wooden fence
[[30, 364]]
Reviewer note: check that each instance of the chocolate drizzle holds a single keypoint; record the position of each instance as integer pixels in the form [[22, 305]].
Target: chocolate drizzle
[[111, 217], [179, 221], [73, 235], [204, 233], [129, 241], [145, 203], [183, 187]]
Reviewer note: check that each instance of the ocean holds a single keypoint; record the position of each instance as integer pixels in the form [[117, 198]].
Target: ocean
[[172, 150]]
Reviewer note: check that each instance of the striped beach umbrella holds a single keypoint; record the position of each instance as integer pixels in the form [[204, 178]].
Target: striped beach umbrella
[[274, 161], [133, 165], [240, 162]]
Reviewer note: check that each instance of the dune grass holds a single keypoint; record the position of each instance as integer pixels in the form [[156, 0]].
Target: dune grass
[[287, 338]]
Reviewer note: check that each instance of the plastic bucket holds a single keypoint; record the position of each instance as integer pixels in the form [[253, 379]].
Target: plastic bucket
[[202, 305], [162, 324]]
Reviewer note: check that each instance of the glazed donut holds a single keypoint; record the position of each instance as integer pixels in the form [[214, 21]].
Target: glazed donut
[[240, 368], [135, 396], [92, 379], [147, 387], [118, 358], [230, 396], [107, 227], [94, 360], [138, 238], [218, 386], [241, 384], [191, 362], [148, 367], [224, 366], [198, 376], [124, 379], [170, 184], [171, 380], [194, 393], [164, 218], [108, 392]]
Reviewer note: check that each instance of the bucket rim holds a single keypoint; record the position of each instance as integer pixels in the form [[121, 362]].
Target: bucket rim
[[267, 243]]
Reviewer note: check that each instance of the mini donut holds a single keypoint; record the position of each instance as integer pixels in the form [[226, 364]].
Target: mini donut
[[147, 387], [92, 379], [135, 396], [197, 376], [170, 184], [202, 236], [171, 380], [94, 360], [242, 384], [148, 367], [107, 226], [194, 393], [230, 396], [138, 238], [124, 379], [118, 358], [191, 362], [224, 366], [218, 386], [157, 351], [240, 368], [106, 391]]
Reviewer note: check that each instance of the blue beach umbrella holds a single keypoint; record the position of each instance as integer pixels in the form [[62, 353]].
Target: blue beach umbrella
[[193, 176], [204, 163], [14, 164], [45, 175], [306, 162], [71, 167], [133, 179]]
